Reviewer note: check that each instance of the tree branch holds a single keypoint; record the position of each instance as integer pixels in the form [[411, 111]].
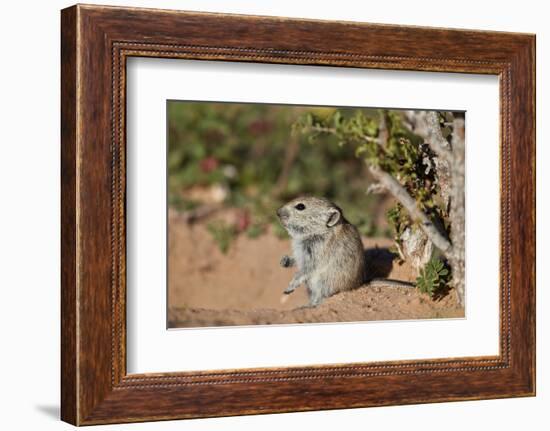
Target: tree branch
[[401, 194], [435, 139], [376, 188]]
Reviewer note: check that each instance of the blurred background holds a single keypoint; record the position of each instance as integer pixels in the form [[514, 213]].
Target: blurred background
[[248, 156]]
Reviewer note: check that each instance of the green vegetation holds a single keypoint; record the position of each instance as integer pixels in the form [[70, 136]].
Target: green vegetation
[[434, 278]]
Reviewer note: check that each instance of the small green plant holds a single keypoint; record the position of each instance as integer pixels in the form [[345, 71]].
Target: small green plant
[[223, 233], [433, 278]]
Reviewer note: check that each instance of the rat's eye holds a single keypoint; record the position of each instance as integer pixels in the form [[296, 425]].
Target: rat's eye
[[300, 207]]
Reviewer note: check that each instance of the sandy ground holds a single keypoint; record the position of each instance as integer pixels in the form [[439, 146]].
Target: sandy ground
[[244, 286]]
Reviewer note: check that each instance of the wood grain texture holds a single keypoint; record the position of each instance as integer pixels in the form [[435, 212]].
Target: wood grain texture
[[69, 370], [96, 41]]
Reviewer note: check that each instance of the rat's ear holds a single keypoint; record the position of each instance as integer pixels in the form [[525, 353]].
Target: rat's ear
[[334, 216]]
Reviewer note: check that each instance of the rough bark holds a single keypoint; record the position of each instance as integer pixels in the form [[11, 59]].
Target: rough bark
[[426, 124], [416, 247], [440, 146], [457, 213]]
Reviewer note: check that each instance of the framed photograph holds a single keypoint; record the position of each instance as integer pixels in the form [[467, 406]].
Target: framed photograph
[[264, 215], [244, 189]]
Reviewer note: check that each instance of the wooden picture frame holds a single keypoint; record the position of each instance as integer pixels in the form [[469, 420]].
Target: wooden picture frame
[[95, 43]]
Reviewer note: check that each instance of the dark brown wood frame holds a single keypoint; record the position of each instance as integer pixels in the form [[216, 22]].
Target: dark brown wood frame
[[95, 43]]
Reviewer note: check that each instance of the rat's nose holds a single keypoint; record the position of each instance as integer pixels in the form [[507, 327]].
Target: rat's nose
[[281, 212]]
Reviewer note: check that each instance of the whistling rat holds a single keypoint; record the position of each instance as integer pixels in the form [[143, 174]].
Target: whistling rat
[[327, 249]]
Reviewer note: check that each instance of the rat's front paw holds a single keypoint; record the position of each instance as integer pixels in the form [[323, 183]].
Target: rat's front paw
[[289, 290], [287, 261]]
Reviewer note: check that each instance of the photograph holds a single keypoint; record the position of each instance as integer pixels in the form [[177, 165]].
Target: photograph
[[300, 214], [296, 214]]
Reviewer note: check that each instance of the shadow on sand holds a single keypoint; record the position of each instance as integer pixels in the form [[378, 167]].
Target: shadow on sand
[[378, 262]]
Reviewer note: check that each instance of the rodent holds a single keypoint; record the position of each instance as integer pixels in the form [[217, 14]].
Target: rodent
[[327, 249]]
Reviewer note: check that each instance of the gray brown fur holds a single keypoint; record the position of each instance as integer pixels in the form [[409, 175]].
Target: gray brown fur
[[327, 249]]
